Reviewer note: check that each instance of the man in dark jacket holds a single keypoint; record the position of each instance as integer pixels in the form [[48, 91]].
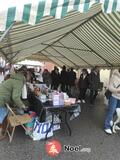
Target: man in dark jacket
[[83, 84], [46, 77], [55, 77], [94, 80], [71, 80], [63, 78]]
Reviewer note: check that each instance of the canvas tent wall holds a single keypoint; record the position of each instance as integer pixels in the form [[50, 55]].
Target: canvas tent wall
[[78, 40]]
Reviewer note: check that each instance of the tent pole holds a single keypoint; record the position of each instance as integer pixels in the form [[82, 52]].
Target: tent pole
[[10, 59], [107, 62], [65, 57], [50, 59], [55, 57], [71, 31], [3, 36], [6, 32], [78, 55], [3, 53], [66, 47], [49, 32], [106, 30]]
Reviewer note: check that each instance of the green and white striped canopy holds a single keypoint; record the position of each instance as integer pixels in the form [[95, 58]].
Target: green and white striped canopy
[[80, 39], [32, 11]]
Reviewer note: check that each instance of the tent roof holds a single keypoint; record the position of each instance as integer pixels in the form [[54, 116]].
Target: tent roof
[[77, 40]]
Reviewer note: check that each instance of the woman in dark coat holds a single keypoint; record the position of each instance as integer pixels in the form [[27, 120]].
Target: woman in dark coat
[[94, 80], [46, 77], [35, 104], [64, 79], [55, 77], [83, 84]]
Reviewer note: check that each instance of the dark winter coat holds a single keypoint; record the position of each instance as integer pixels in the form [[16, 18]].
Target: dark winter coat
[[46, 78], [55, 78], [94, 80], [83, 82], [63, 77], [36, 106], [72, 78]]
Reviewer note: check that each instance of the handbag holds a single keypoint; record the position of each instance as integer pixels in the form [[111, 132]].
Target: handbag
[[108, 93]]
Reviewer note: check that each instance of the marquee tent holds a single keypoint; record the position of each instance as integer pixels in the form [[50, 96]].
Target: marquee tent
[[75, 33]]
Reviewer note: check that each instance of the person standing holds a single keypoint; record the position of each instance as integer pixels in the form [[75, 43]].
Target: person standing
[[114, 100], [39, 76], [46, 77], [35, 103], [71, 80], [83, 85], [55, 77], [64, 78], [10, 92], [94, 82]]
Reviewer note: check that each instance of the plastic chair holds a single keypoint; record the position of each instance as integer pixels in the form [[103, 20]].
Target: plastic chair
[[14, 120]]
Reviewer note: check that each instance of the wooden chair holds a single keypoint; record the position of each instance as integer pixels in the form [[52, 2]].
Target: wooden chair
[[14, 120]]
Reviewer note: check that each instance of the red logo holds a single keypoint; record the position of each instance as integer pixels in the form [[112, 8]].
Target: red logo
[[53, 148]]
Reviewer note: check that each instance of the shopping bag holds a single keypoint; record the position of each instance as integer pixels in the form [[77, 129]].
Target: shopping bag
[[30, 125], [75, 113], [40, 130], [56, 121]]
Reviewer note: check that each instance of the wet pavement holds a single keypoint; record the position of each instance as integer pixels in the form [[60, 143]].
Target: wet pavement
[[87, 132]]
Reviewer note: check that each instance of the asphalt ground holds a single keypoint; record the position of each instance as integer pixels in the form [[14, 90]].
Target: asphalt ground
[[87, 132]]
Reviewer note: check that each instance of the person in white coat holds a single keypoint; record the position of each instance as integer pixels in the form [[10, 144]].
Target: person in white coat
[[114, 100]]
